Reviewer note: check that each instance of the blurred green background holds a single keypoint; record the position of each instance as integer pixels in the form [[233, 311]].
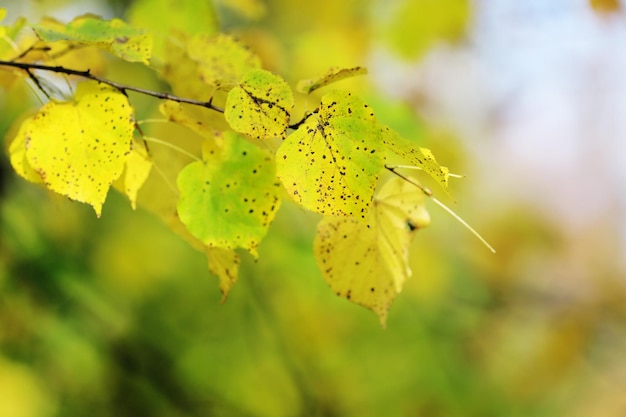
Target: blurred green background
[[120, 317]]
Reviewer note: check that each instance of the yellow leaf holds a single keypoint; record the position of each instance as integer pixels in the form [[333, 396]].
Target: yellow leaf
[[222, 60], [17, 155], [225, 264], [367, 262], [176, 113], [78, 148], [9, 49], [138, 167], [331, 76], [173, 20], [420, 157]]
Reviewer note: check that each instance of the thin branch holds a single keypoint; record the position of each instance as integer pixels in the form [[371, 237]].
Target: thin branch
[[297, 124], [121, 87], [37, 83], [172, 146], [450, 174]]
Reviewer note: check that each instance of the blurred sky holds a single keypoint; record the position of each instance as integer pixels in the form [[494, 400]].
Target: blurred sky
[[538, 93]]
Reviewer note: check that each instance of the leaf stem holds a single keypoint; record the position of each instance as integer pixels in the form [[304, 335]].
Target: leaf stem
[[170, 145], [421, 169], [429, 193], [121, 87]]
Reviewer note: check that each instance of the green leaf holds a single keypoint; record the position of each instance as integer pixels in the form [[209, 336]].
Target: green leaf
[[367, 262], [222, 60], [333, 75], [260, 106], [331, 164], [420, 157], [229, 199], [114, 35], [79, 148]]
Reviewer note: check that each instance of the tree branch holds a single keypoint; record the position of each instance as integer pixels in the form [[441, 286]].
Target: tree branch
[[28, 67]]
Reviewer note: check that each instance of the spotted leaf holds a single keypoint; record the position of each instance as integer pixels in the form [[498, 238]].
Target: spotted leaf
[[225, 264], [367, 262], [331, 164], [260, 106], [222, 60], [78, 148], [420, 157], [17, 155], [333, 75], [115, 36], [229, 199], [138, 167]]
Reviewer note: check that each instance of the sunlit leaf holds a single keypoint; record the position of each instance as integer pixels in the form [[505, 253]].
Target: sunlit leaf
[[420, 157], [8, 43], [114, 35], [175, 113], [260, 106], [229, 199], [331, 164], [225, 264], [333, 75], [181, 72], [17, 155], [138, 167], [367, 262], [79, 148], [222, 60]]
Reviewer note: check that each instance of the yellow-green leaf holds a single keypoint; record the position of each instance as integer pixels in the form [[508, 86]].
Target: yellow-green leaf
[[138, 167], [115, 36], [176, 113], [8, 41], [229, 199], [260, 106], [225, 264], [17, 155], [420, 157], [222, 60], [333, 75], [367, 262], [331, 164], [79, 148]]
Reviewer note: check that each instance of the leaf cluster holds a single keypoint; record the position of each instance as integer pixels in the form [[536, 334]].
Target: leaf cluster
[[249, 152]]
